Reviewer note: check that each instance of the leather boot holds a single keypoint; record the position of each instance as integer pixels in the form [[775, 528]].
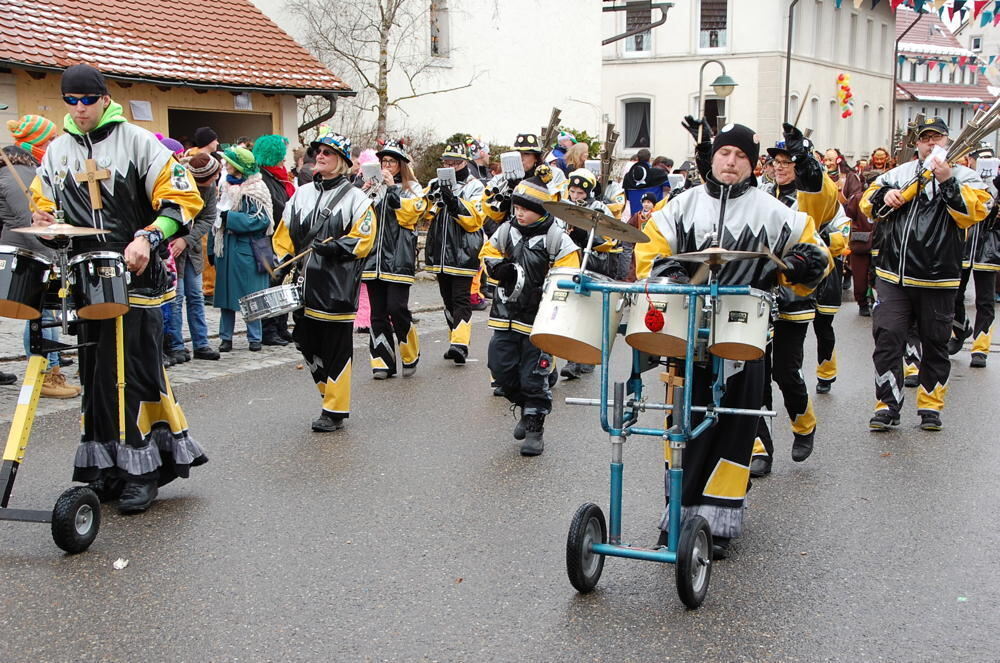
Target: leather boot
[[802, 447], [534, 427], [55, 385], [137, 496]]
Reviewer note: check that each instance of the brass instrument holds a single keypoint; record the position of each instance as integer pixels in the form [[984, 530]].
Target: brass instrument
[[607, 155], [549, 133]]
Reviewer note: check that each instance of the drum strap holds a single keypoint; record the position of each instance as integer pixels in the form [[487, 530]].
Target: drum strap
[[325, 212]]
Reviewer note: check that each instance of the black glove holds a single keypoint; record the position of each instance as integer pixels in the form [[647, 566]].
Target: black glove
[[700, 130], [328, 250], [450, 201], [670, 269], [223, 215], [505, 273], [804, 263], [796, 143]]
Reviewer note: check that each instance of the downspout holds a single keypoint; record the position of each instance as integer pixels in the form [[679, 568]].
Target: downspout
[[323, 117], [788, 57]]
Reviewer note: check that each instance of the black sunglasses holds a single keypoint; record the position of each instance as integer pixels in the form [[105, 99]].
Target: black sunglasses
[[88, 100]]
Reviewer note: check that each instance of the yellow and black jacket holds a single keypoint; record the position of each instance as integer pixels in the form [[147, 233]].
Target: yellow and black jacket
[[534, 249], [146, 185], [982, 241], [921, 243], [393, 258], [454, 242], [331, 285]]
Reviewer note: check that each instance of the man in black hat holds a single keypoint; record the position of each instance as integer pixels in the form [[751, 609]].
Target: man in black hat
[[717, 466], [918, 269], [107, 173], [206, 140]]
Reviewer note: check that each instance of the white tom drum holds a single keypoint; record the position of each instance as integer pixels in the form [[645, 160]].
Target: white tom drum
[[671, 341], [569, 325], [271, 302], [740, 326]]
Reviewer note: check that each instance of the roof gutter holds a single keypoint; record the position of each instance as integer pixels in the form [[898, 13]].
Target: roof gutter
[[323, 117], [195, 85]]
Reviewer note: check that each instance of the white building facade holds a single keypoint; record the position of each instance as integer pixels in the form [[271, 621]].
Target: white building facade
[[650, 83]]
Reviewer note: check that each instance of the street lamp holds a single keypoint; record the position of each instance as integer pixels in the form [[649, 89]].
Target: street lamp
[[723, 85]]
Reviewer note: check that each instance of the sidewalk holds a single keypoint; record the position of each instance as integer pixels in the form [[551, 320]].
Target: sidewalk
[[424, 298]]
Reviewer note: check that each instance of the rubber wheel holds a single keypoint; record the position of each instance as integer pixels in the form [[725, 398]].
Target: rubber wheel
[[694, 561], [76, 519], [583, 566]]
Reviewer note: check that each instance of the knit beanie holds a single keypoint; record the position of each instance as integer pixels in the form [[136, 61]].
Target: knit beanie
[[204, 135], [530, 193], [83, 79], [242, 160], [31, 133], [174, 146], [270, 150], [204, 167], [739, 136]]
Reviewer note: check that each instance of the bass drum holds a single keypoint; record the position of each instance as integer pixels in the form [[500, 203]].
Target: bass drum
[[99, 284], [569, 325], [24, 278], [671, 341]]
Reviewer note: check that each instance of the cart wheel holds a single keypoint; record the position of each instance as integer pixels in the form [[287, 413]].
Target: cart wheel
[[694, 561], [583, 566], [76, 519]]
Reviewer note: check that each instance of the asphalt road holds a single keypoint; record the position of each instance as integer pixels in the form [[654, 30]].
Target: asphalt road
[[418, 533]]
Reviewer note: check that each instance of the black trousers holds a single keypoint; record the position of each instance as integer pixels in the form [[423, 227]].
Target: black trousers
[[157, 446], [457, 308], [518, 366], [328, 349], [782, 363], [826, 343], [982, 331], [899, 307], [391, 322], [276, 326]]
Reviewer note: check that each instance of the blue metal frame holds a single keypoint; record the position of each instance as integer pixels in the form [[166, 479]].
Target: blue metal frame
[[679, 434]]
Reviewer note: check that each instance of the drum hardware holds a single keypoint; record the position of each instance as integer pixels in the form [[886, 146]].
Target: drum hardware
[[717, 256], [515, 292]]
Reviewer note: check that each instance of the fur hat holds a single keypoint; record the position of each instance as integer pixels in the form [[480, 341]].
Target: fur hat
[[270, 150], [394, 149], [242, 160], [527, 143], [530, 193]]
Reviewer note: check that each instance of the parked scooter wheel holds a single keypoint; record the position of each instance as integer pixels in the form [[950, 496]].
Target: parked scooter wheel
[[76, 519], [583, 566], [694, 561]]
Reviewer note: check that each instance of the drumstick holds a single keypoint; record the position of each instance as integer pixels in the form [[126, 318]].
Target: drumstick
[[299, 256], [764, 248], [802, 105], [20, 182]]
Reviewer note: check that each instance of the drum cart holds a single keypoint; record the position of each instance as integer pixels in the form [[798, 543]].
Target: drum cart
[[689, 543], [76, 516]]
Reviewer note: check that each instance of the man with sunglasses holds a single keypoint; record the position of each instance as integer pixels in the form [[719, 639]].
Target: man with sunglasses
[[918, 270], [142, 197]]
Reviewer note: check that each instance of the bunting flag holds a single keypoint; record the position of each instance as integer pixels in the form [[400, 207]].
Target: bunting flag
[[875, 3], [938, 4], [838, 3], [985, 19], [996, 17], [978, 6], [857, 4]]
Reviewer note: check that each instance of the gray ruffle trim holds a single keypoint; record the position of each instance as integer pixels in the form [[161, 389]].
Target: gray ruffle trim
[[95, 454], [722, 520], [142, 460], [182, 448]]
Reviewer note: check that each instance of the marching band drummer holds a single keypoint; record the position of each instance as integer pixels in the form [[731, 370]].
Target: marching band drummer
[[107, 173], [454, 240], [717, 467], [334, 219], [391, 265], [518, 257]]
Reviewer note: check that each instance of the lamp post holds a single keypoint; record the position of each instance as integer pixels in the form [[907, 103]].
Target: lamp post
[[723, 85]]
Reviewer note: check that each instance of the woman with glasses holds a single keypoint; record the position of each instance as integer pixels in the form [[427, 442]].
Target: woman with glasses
[[391, 265], [334, 219]]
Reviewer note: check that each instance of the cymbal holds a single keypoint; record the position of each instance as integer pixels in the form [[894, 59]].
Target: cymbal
[[60, 230], [603, 225], [718, 256]]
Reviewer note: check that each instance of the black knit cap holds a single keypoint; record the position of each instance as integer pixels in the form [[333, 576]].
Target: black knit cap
[[83, 79], [204, 135], [740, 136]]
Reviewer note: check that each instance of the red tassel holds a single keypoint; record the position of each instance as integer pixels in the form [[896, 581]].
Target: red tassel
[[653, 320]]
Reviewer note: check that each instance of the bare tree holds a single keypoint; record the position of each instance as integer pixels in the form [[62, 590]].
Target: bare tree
[[371, 39]]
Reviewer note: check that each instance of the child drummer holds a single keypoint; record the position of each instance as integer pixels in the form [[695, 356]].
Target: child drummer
[[518, 257]]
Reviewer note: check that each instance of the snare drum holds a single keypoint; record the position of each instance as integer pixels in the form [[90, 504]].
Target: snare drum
[[671, 341], [24, 277], [99, 283], [568, 325], [740, 326], [271, 302]]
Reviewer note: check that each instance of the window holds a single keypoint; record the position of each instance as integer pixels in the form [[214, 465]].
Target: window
[[961, 118], [637, 124], [715, 112], [637, 16], [935, 74], [440, 46], [884, 57], [948, 121], [714, 21], [852, 44], [977, 44], [869, 41]]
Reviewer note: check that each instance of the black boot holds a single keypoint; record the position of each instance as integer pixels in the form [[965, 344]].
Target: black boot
[[457, 354], [7, 378], [136, 496], [108, 488], [802, 447], [571, 371], [760, 466], [327, 423], [533, 443]]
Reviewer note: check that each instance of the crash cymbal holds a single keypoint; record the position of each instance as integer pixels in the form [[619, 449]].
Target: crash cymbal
[[603, 225], [60, 230], [717, 256]]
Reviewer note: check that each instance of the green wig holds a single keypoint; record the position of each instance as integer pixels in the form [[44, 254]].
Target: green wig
[[270, 150]]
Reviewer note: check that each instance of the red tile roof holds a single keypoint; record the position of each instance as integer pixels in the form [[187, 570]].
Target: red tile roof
[[227, 43], [929, 30], [907, 91]]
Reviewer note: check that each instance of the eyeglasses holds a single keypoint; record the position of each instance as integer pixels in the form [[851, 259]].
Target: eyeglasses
[[88, 100], [389, 162], [930, 136], [782, 164]]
